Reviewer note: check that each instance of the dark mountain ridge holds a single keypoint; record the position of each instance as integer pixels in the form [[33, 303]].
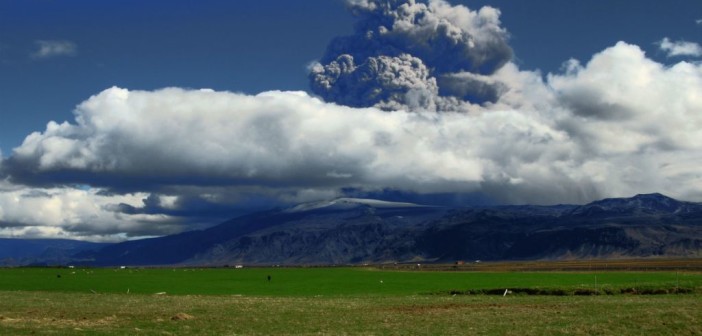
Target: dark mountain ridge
[[639, 205], [296, 235], [352, 231], [17, 252], [355, 231]]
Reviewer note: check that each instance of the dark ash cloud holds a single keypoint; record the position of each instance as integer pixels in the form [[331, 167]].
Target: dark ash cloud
[[387, 82], [403, 52]]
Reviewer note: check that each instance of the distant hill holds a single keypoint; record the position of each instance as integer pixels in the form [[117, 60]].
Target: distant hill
[[19, 252], [354, 231]]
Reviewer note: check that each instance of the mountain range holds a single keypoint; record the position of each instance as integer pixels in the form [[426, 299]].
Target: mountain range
[[20, 252], [356, 231]]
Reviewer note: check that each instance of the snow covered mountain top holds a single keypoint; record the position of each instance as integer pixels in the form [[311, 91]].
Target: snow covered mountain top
[[349, 203]]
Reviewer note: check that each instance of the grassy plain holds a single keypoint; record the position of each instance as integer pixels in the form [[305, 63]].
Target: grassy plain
[[307, 282], [337, 301]]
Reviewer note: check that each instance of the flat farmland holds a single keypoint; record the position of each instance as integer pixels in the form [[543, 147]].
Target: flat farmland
[[306, 282], [197, 301]]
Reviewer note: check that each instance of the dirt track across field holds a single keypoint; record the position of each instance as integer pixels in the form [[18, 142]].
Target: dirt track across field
[[638, 265]]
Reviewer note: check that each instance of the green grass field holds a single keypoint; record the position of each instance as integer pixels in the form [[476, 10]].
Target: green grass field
[[337, 301], [307, 282]]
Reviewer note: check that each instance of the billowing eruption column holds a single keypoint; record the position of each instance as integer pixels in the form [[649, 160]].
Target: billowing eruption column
[[414, 55]]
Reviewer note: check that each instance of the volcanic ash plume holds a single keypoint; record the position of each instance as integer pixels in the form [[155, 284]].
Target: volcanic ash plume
[[415, 56]]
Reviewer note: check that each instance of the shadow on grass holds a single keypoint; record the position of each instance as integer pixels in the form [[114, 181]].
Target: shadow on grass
[[572, 291]]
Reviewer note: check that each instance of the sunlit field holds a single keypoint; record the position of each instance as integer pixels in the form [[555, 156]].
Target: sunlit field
[[310, 282], [228, 301]]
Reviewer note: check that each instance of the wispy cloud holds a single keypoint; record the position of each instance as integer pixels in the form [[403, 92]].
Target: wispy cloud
[[680, 48], [48, 49], [699, 22]]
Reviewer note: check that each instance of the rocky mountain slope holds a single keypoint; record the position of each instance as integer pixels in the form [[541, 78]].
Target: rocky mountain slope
[[352, 231]]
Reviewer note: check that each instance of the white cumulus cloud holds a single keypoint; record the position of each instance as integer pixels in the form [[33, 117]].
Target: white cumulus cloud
[[617, 125], [75, 213]]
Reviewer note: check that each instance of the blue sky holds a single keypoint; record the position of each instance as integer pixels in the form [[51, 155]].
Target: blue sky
[[445, 102], [247, 46]]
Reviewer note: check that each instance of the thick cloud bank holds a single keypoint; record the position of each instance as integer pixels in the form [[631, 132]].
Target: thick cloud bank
[[412, 55], [612, 126], [273, 140]]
